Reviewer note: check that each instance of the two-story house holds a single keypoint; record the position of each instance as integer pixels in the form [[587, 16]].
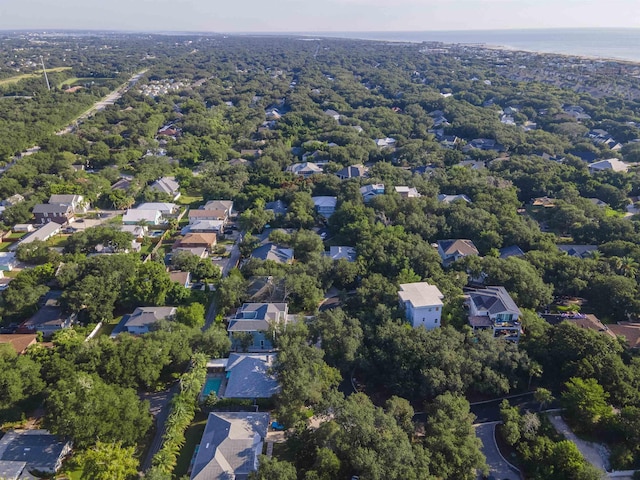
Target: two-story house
[[249, 326], [455, 249], [492, 308], [325, 206], [422, 304], [45, 213], [77, 202], [369, 192]]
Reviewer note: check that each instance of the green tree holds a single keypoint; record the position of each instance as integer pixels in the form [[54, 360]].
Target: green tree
[[83, 407], [340, 336], [451, 440], [585, 402], [108, 461], [191, 315], [273, 469]]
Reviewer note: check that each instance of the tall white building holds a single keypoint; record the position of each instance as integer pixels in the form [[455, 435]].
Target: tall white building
[[422, 303]]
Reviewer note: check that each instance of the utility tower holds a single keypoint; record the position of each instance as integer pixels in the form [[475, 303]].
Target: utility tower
[[45, 73]]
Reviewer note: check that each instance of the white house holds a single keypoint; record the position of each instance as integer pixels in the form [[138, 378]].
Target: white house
[[164, 208], [608, 164], [422, 304], [325, 206], [143, 318], [407, 192], [138, 216], [305, 169]]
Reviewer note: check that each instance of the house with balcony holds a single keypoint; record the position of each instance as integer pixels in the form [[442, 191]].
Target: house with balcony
[[369, 192], [422, 304], [325, 206], [493, 309], [248, 328]]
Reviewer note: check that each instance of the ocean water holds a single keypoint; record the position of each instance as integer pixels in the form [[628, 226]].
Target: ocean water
[[618, 43]]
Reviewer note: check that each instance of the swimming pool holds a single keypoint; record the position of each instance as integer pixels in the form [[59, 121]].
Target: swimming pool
[[212, 384]]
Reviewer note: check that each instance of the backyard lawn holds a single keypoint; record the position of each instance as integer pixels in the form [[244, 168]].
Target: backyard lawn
[[193, 434]]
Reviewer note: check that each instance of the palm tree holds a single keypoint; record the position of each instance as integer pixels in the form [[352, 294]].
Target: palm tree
[[627, 266], [543, 397]]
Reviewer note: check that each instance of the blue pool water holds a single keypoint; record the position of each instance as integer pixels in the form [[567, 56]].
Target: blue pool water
[[211, 385]]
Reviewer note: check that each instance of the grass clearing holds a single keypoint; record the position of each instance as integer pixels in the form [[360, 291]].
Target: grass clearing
[[24, 76]]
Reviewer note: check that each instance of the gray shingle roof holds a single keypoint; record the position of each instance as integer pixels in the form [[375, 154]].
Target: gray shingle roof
[[494, 300], [230, 445], [249, 377]]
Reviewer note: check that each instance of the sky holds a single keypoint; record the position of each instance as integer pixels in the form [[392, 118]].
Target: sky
[[315, 16]]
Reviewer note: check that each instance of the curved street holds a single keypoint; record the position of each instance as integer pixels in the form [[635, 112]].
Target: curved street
[[498, 466]]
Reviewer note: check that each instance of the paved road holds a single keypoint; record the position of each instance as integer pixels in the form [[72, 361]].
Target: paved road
[[490, 411], [160, 408], [110, 99], [234, 257], [498, 467]]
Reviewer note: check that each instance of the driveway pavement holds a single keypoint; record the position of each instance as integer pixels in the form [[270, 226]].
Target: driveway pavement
[[592, 452], [498, 467]]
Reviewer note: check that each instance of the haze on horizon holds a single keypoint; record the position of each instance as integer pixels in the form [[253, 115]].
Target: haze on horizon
[[315, 16]]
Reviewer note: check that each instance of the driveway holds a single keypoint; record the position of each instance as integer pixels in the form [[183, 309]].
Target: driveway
[[498, 466], [594, 453]]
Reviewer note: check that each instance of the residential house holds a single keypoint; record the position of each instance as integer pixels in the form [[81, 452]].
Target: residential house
[[45, 213], [183, 278], [251, 323], [333, 114], [274, 253], [23, 227], [250, 153], [19, 342], [387, 142], [305, 169], [342, 253], [511, 251], [217, 217], [12, 200], [225, 205], [407, 192], [453, 198], [203, 226], [369, 192], [492, 308], [42, 234], [278, 207], [352, 171], [77, 202], [422, 304], [249, 376], [165, 209], [38, 449], [142, 319], [455, 249], [578, 251], [122, 184], [325, 206], [231, 445], [196, 240], [630, 331], [450, 141], [8, 261], [598, 203], [483, 144], [608, 164], [545, 202], [137, 231], [135, 216], [167, 185], [49, 318]]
